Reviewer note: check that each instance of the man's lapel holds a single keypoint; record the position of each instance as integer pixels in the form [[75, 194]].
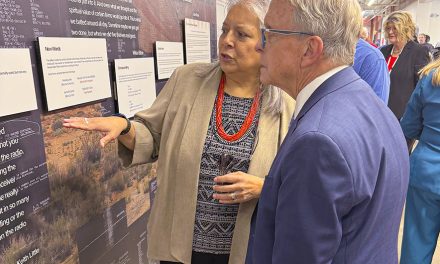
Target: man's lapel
[[332, 84]]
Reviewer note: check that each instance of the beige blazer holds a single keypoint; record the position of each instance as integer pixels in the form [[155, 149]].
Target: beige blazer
[[174, 129]]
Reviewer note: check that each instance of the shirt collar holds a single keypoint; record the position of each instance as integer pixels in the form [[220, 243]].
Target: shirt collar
[[308, 90]]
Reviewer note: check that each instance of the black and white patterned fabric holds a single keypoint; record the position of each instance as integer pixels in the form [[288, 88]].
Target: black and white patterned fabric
[[215, 222]]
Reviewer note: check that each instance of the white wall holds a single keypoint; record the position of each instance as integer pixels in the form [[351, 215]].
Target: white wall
[[434, 22], [425, 14]]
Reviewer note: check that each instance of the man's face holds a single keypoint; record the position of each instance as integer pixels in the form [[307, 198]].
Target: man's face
[[280, 59], [421, 38]]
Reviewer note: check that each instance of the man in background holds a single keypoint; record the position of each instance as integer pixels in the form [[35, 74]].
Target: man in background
[[423, 40], [371, 66]]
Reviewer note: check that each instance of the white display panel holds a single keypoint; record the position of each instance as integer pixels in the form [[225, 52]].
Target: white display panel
[[135, 83], [197, 41], [169, 56], [17, 90], [75, 70]]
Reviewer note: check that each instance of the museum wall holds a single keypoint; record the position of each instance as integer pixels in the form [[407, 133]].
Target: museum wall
[[63, 198]]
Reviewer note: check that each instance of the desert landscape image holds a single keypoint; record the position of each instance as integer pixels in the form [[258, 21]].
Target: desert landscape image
[[85, 180]]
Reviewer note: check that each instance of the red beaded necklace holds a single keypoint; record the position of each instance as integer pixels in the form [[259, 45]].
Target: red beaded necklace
[[247, 121]]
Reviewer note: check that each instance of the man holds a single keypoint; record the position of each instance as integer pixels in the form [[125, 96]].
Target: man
[[371, 66], [423, 40], [336, 189]]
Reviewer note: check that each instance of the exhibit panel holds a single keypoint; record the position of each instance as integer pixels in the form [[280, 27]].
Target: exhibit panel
[[197, 38], [63, 198], [17, 82], [74, 70], [135, 85], [169, 56]]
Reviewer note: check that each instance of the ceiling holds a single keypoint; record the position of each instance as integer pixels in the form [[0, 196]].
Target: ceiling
[[372, 8]]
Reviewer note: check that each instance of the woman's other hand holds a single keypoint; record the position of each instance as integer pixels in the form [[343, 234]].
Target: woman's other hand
[[110, 126], [237, 187]]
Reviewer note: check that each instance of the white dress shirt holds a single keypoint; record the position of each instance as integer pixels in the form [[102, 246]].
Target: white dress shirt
[[307, 91]]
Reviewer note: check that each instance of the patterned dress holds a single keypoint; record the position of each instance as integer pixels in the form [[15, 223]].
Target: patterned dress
[[215, 222]]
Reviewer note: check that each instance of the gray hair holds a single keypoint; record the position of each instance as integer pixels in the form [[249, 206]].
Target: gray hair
[[337, 22], [272, 95], [258, 7]]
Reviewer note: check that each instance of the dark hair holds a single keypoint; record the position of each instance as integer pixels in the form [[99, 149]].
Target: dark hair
[[427, 38], [436, 54]]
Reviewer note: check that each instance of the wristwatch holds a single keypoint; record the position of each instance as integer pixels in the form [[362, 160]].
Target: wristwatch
[[128, 127]]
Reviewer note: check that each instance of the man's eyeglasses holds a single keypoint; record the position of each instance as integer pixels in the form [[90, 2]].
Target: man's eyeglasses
[[265, 31]]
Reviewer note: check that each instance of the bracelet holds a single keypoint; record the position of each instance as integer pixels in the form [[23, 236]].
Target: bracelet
[[128, 127]]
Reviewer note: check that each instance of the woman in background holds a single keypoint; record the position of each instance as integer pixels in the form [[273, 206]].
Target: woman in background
[[209, 120], [421, 121], [404, 58]]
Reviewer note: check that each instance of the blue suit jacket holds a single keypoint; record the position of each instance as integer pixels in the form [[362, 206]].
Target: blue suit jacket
[[336, 189]]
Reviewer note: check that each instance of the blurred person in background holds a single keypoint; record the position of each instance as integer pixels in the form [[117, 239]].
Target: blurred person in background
[[423, 40], [436, 53], [365, 36], [421, 121], [404, 58], [372, 68]]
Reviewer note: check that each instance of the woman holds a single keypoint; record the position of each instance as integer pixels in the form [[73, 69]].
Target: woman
[[404, 58], [422, 214], [209, 119]]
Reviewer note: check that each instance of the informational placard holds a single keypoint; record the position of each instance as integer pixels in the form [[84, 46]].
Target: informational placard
[[75, 70], [135, 83], [169, 56], [197, 41], [17, 90]]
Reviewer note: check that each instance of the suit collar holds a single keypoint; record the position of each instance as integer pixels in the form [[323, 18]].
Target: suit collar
[[387, 49], [307, 91], [402, 60], [409, 46], [332, 84]]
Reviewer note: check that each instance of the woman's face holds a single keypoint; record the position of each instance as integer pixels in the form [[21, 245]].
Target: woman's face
[[240, 35], [392, 33]]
